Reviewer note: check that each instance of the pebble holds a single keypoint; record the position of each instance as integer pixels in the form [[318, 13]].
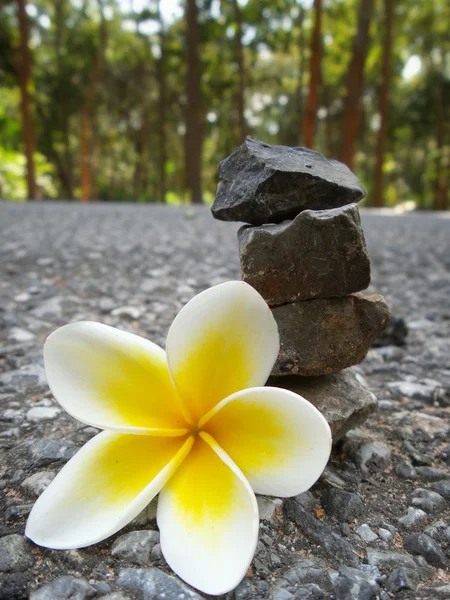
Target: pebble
[[269, 508], [426, 391], [353, 584], [154, 583], [413, 518], [443, 488], [385, 534], [135, 546], [402, 579], [20, 335], [14, 586], [436, 530], [306, 571], [405, 470], [22, 297], [37, 483], [366, 533], [128, 312], [65, 588], [42, 413], [345, 506], [45, 452], [373, 456], [15, 553], [420, 543], [431, 474], [17, 511], [428, 500], [339, 551], [389, 560]]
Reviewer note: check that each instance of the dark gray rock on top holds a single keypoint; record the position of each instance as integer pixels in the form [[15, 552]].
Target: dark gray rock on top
[[320, 254], [323, 336], [260, 183], [344, 401]]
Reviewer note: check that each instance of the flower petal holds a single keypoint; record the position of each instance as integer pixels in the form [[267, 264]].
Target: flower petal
[[208, 519], [112, 379], [225, 339], [103, 487], [279, 440]]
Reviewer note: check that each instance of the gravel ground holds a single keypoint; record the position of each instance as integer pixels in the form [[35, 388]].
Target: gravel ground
[[376, 525]]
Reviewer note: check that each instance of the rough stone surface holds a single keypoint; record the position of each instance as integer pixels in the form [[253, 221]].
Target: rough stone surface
[[405, 470], [342, 398], [320, 254], [373, 456], [428, 500], [395, 333], [423, 544], [14, 586], [319, 337], [414, 517], [345, 506], [46, 452], [443, 489], [37, 483], [15, 553], [386, 561], [366, 533], [135, 547], [335, 547], [42, 413], [65, 588], [269, 508], [353, 584], [402, 579], [154, 583], [260, 183], [155, 258]]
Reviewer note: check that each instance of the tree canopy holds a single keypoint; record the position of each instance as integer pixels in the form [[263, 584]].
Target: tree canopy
[[138, 100]]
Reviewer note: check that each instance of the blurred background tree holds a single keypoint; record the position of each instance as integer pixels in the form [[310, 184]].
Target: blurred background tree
[[137, 100]]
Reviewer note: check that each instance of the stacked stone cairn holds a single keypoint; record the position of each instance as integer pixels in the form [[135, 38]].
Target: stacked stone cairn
[[303, 250]]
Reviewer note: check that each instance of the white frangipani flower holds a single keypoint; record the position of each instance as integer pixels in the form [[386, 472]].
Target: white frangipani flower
[[194, 424]]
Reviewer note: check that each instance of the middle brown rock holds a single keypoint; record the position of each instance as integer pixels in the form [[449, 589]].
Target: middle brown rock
[[320, 254]]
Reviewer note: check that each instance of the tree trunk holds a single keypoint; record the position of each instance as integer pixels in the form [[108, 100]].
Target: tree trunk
[[66, 169], [309, 122], [194, 125], [85, 150], [24, 76], [87, 115], [440, 199], [162, 85], [384, 102], [240, 92], [352, 107]]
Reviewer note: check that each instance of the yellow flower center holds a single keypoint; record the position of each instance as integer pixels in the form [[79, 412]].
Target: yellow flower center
[[195, 430]]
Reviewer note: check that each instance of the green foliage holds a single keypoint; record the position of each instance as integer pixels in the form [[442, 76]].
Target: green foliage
[[66, 42]]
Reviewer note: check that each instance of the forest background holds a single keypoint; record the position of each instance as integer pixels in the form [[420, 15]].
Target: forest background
[[138, 100]]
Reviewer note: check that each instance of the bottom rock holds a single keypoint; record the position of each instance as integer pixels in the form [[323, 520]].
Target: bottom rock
[[342, 398]]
